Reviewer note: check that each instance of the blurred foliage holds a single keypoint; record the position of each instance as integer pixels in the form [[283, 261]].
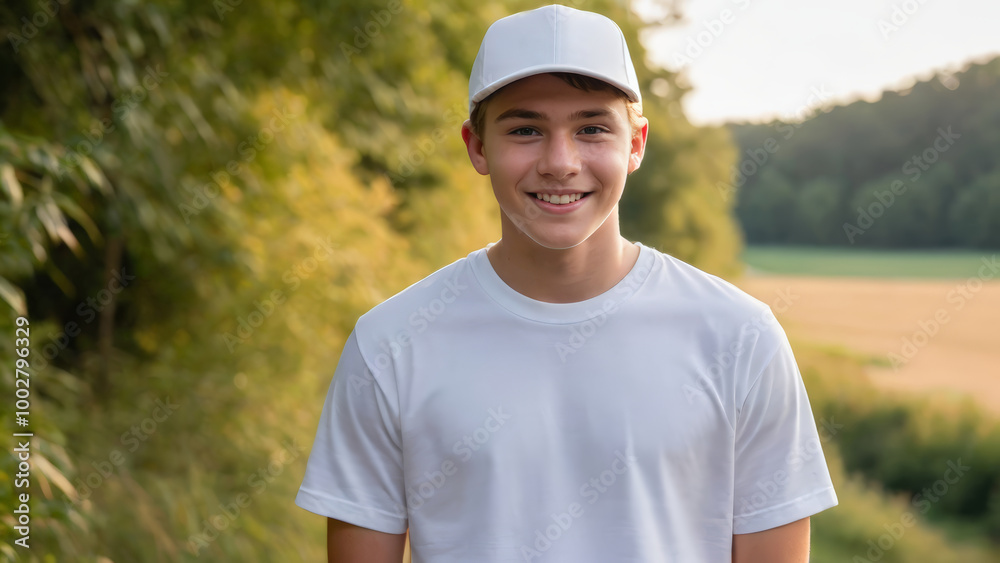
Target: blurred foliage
[[869, 525], [869, 174], [906, 446]]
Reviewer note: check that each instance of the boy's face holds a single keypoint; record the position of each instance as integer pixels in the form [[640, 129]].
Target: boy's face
[[543, 136]]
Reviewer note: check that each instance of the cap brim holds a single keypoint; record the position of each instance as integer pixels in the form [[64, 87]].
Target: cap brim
[[633, 96]]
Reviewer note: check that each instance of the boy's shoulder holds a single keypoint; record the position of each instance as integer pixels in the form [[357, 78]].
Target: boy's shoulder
[[430, 296], [700, 288]]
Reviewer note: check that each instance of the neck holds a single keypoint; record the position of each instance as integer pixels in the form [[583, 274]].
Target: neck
[[563, 276]]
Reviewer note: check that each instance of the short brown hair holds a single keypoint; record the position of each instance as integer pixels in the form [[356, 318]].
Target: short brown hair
[[586, 83]]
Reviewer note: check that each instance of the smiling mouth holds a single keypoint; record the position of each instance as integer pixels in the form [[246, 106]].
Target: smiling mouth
[[561, 199]]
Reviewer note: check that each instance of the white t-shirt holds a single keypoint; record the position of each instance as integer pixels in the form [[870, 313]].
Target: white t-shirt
[[648, 424]]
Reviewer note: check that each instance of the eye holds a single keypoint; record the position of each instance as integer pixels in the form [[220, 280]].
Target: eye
[[523, 131], [593, 130]]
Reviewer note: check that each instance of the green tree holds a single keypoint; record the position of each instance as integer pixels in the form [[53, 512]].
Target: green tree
[[817, 208], [938, 137], [973, 218], [768, 207]]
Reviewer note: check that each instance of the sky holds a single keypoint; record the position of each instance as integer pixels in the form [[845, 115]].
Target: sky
[[756, 60]]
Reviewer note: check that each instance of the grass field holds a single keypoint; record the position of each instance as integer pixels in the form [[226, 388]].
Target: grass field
[[825, 261], [928, 335]]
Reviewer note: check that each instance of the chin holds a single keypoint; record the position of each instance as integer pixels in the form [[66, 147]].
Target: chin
[[555, 242]]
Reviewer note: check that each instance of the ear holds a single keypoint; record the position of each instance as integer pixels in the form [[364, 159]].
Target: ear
[[638, 148], [474, 146]]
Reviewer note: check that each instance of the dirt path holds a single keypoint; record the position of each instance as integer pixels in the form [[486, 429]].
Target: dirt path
[[941, 337]]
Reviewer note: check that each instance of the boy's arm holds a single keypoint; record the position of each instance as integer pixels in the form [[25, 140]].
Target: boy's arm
[[784, 544], [781, 476], [347, 543]]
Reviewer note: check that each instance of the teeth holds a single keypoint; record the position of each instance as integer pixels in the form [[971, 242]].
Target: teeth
[[559, 199]]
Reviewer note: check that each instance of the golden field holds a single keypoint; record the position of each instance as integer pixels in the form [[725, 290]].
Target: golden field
[[928, 336]]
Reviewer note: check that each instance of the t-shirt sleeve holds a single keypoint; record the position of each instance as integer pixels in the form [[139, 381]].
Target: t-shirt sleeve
[[780, 471], [355, 469]]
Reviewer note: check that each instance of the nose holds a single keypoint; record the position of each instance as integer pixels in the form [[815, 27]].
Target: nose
[[560, 157]]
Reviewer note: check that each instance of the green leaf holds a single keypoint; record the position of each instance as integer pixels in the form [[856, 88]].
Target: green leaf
[[8, 179], [95, 176], [13, 296], [75, 212]]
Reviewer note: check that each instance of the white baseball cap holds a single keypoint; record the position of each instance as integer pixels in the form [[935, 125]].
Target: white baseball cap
[[552, 39]]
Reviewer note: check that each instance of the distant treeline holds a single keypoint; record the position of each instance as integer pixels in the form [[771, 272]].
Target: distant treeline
[[916, 169]]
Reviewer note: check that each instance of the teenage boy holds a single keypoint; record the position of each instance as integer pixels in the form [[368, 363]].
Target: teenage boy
[[564, 394]]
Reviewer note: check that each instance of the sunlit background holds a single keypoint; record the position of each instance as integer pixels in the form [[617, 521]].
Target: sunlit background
[[766, 59], [198, 200]]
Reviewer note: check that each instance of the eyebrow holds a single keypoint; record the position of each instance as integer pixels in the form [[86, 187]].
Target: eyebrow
[[518, 113]]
